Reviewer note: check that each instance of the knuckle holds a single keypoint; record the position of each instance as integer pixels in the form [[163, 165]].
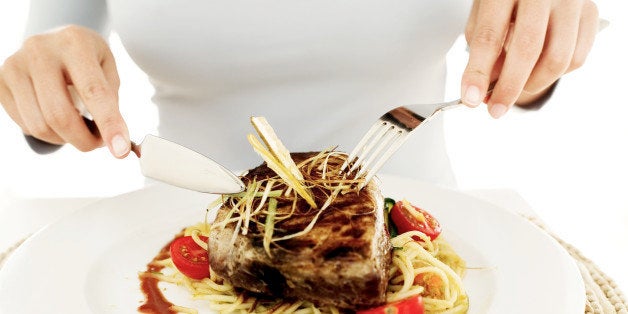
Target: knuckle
[[556, 63], [72, 32], [476, 74], [38, 53], [57, 118], [79, 37], [25, 129], [11, 66], [41, 130], [510, 90], [34, 44], [108, 122], [577, 61], [528, 45], [72, 37], [85, 146], [536, 85], [589, 7], [114, 81], [468, 32], [487, 36], [10, 61], [95, 91], [507, 93], [82, 148]]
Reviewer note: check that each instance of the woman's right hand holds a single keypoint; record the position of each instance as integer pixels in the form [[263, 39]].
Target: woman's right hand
[[34, 90]]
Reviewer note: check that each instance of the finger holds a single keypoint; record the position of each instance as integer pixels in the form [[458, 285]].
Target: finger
[[8, 103], [471, 21], [587, 31], [110, 70], [101, 100], [485, 46], [497, 68], [560, 43], [523, 52], [34, 122], [57, 108]]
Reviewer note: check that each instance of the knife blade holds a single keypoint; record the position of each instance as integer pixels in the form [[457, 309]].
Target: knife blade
[[177, 165], [172, 163]]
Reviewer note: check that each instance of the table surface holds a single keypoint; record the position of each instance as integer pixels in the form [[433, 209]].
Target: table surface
[[566, 162]]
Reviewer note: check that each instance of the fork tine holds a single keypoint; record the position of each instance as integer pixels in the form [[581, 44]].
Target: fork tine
[[376, 131], [394, 146], [390, 132], [373, 142], [384, 142]]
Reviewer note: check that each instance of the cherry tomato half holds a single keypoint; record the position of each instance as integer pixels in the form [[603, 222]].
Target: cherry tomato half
[[412, 305], [189, 258], [408, 217]]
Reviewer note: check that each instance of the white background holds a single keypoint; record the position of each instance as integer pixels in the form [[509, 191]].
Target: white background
[[569, 161]]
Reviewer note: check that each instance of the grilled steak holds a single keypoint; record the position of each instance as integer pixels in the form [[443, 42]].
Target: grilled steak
[[343, 261]]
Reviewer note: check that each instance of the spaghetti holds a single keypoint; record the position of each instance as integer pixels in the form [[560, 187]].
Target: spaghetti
[[435, 262]]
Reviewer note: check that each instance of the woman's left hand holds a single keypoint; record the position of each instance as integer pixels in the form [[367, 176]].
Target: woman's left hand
[[526, 46]]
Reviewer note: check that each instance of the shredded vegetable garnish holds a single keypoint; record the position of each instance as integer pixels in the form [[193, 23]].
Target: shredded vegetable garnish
[[252, 207], [270, 224], [315, 179], [281, 170], [317, 175], [278, 157], [275, 146]]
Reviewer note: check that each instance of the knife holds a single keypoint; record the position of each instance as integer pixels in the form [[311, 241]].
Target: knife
[[171, 163], [163, 160], [177, 165]]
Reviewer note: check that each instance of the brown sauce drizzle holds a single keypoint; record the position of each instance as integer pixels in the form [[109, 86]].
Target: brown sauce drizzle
[[155, 302]]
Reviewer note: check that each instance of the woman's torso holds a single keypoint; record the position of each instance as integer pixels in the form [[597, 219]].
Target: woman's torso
[[320, 71]]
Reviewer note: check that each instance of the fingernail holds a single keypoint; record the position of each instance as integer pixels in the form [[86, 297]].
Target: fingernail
[[498, 110], [119, 146], [472, 96]]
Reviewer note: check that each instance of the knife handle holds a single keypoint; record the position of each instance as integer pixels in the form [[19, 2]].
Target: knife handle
[[43, 148], [39, 146]]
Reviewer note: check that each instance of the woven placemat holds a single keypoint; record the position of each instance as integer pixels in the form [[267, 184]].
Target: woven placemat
[[603, 295]]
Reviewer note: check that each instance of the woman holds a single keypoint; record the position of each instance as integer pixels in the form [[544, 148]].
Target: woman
[[320, 71]]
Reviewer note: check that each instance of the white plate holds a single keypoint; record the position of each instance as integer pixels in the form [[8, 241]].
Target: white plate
[[89, 261]]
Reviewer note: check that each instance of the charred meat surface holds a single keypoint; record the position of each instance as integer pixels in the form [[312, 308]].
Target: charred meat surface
[[342, 261]]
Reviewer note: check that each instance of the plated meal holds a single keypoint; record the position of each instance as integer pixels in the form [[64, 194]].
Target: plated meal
[[111, 240], [305, 238]]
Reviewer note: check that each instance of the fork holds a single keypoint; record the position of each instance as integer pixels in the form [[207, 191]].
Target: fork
[[392, 129], [388, 133]]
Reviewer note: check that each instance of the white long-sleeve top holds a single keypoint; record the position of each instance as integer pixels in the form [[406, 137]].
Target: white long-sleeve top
[[320, 71]]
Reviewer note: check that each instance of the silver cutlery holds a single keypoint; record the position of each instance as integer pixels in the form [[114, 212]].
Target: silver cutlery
[[393, 128], [180, 166], [388, 133], [172, 163]]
